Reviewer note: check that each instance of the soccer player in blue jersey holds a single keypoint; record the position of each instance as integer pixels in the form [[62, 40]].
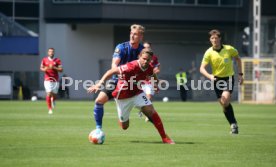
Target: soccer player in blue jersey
[[124, 53]]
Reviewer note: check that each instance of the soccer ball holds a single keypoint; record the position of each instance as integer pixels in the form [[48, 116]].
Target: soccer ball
[[34, 98], [96, 136], [165, 99]]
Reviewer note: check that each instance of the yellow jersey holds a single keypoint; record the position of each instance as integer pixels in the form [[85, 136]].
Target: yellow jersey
[[181, 78], [221, 61]]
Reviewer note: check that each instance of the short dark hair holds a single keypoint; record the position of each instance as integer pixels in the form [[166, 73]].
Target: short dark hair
[[215, 32]]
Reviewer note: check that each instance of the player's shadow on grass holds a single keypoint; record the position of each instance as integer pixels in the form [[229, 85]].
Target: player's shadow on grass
[[159, 142]]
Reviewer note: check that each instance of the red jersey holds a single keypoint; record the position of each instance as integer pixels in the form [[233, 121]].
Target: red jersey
[[51, 75], [131, 71]]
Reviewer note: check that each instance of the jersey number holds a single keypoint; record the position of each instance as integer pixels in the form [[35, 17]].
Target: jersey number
[[145, 98]]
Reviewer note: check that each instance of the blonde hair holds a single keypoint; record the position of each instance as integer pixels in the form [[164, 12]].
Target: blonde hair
[[140, 28]]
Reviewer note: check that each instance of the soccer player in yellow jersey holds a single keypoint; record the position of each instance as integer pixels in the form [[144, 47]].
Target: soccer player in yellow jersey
[[221, 57]]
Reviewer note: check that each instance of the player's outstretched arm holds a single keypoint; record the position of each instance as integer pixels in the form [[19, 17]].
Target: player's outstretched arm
[[106, 76], [115, 62]]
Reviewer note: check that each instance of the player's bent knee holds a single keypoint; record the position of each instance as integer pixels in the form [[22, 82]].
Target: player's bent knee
[[101, 100], [224, 101]]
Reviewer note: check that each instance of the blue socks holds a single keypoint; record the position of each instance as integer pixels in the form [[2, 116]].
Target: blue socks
[[98, 115]]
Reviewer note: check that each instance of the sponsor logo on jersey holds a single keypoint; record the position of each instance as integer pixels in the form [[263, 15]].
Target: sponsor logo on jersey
[[117, 50]]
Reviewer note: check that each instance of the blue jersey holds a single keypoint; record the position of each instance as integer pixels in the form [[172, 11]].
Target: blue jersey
[[126, 53]]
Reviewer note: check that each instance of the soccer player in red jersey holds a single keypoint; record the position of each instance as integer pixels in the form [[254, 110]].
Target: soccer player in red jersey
[[51, 66], [128, 93]]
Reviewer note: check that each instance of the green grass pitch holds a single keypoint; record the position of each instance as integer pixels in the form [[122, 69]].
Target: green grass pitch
[[30, 137]]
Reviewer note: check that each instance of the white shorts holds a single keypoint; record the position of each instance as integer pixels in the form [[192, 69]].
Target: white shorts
[[124, 106], [51, 87], [148, 89]]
